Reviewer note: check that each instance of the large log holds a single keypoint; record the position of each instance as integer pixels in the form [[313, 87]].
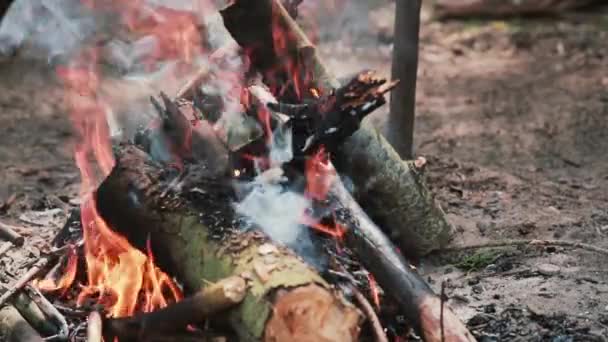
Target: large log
[[194, 236], [413, 219]]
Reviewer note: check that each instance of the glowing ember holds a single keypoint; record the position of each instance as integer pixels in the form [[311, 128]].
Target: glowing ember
[[373, 288], [320, 174]]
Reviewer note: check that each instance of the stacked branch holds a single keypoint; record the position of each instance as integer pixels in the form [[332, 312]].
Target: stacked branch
[[195, 234], [414, 220]]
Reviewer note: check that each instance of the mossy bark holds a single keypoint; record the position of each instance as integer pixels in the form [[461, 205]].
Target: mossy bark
[[386, 187], [194, 235]]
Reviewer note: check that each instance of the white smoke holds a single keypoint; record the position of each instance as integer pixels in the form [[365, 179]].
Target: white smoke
[[57, 30]]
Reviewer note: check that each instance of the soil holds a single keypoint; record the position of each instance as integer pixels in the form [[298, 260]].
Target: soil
[[511, 116]]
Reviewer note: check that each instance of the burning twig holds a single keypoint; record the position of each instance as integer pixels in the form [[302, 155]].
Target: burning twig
[[371, 315], [8, 232], [26, 278], [94, 327], [176, 317]]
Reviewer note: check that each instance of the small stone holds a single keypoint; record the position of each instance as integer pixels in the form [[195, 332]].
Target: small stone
[[548, 269], [478, 289]]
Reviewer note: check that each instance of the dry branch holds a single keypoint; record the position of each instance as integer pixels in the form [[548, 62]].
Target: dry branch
[[21, 282], [417, 301], [8, 232], [14, 328], [192, 310], [198, 241], [413, 219]]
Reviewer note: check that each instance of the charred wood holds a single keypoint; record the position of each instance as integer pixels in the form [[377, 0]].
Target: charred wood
[[421, 306], [175, 318], [194, 234], [414, 220]]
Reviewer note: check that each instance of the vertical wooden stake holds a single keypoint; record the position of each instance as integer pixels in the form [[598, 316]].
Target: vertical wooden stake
[[400, 125]]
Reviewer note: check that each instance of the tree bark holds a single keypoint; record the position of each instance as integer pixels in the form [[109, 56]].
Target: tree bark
[[197, 241], [14, 328], [413, 219], [400, 125]]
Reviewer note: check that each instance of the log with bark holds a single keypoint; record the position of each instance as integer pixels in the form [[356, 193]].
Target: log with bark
[[14, 328], [413, 219], [195, 235]]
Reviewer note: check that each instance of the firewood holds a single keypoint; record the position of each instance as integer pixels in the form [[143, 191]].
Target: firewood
[[21, 282], [174, 318], [420, 305], [413, 219], [94, 327], [14, 328], [8, 232], [197, 240]]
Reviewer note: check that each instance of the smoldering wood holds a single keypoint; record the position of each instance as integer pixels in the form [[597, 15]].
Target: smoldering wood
[[14, 328], [331, 118], [194, 235], [413, 219], [399, 128], [174, 318], [420, 305]]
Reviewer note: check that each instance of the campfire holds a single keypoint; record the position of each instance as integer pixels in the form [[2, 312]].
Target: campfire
[[262, 209]]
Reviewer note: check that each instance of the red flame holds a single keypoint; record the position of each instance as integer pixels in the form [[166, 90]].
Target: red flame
[[373, 288]]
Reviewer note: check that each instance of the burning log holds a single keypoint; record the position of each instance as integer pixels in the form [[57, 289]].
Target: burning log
[[284, 295], [414, 220], [14, 328], [418, 302], [211, 300]]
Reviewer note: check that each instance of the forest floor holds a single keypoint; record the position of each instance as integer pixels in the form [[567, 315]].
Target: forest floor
[[511, 116]]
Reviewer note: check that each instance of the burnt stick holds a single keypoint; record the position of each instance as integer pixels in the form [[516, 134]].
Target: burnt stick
[[176, 317], [379, 255]]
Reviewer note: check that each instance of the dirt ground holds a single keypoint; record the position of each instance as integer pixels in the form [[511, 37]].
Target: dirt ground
[[511, 116]]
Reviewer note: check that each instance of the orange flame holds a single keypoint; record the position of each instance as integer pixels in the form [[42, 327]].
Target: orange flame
[[119, 276], [320, 174], [373, 288]]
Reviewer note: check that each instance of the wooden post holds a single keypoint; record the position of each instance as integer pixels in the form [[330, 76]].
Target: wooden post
[[400, 125]]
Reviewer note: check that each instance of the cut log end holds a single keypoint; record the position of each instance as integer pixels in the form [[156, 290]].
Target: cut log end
[[311, 313], [453, 329]]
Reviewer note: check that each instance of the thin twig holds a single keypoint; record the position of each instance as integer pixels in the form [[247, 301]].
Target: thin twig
[[8, 232], [442, 298], [531, 242], [26, 278], [5, 247], [371, 315]]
